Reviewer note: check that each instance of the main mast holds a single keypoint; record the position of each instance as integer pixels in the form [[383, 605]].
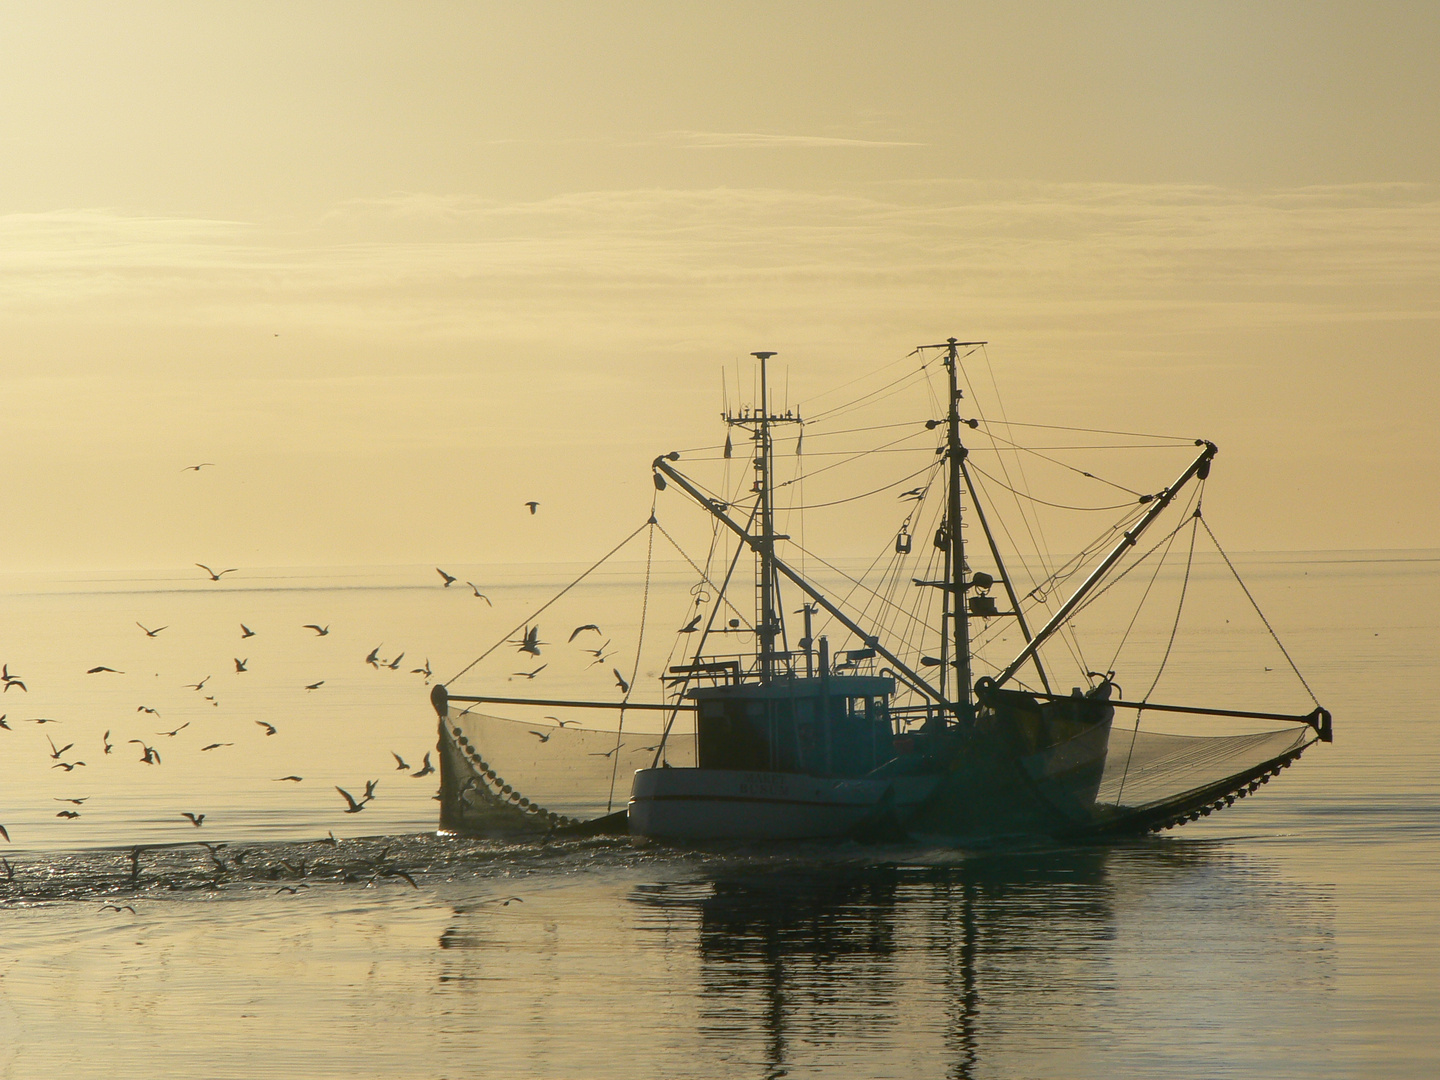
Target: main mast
[[955, 588], [768, 623]]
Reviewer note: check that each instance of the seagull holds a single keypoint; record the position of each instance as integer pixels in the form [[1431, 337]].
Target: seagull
[[196, 820], [478, 594], [690, 627], [374, 658], [240, 664], [117, 908], [581, 629], [148, 631], [321, 631], [43, 720], [295, 779], [3, 724], [913, 493], [215, 575], [77, 802], [198, 685], [425, 767], [6, 834], [449, 578], [102, 667], [106, 741], [370, 786], [55, 753], [533, 506], [177, 731], [215, 746], [68, 814], [558, 721], [542, 736], [245, 632], [315, 685], [530, 674], [68, 766], [620, 681], [422, 670], [197, 468], [12, 681], [531, 642], [355, 807], [146, 708], [394, 665], [607, 753], [151, 757], [400, 764], [269, 728]]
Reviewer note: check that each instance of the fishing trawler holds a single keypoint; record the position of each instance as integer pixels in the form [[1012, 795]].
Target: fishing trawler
[[893, 734]]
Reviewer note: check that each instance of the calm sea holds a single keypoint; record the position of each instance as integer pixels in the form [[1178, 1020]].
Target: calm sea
[[1294, 935]]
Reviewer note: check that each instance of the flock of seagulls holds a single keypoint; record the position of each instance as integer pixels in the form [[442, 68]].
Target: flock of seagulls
[[61, 757]]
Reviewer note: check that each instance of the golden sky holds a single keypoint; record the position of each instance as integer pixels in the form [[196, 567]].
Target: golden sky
[[396, 268]]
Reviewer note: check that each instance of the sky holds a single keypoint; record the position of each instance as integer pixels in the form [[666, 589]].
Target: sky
[[398, 268]]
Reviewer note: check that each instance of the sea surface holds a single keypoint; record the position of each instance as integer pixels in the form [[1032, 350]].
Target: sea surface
[[1296, 934]]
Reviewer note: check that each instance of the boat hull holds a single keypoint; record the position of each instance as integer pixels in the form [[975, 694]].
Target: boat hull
[[725, 804]]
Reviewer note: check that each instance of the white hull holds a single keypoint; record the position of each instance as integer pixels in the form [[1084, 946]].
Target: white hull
[[723, 804]]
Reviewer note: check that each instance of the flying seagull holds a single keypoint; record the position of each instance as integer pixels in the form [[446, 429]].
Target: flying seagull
[[102, 667], [449, 578], [620, 681], [269, 728], [478, 594], [148, 631], [315, 685], [195, 819], [690, 627], [374, 658], [296, 779], [215, 746], [197, 468], [175, 732], [245, 632], [240, 664], [354, 807], [543, 736], [425, 767], [533, 506], [321, 631], [215, 575], [530, 674], [581, 629], [198, 685], [400, 764]]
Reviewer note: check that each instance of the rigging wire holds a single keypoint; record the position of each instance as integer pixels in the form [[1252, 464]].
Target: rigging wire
[[1064, 465], [1256, 606], [635, 668], [1043, 502], [1174, 628], [552, 600], [866, 494], [854, 456]]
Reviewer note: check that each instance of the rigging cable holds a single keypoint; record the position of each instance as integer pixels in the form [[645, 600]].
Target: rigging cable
[[1174, 628], [552, 600], [1264, 620], [635, 668]]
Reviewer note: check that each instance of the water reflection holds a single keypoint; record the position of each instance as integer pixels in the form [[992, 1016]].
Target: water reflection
[[961, 961]]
